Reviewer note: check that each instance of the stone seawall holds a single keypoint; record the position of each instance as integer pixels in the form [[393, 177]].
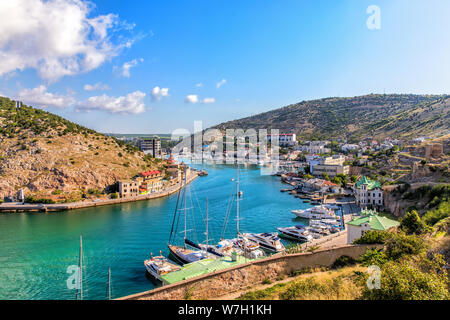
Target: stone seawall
[[246, 275]]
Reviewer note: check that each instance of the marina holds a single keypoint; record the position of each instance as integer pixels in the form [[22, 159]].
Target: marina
[[38, 248]]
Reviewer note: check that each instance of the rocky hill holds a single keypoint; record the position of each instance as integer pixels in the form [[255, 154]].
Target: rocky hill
[[375, 115], [51, 157]]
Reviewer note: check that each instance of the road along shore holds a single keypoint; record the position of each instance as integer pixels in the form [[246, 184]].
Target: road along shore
[[15, 207]]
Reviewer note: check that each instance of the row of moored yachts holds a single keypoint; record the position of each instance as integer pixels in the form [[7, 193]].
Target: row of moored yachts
[[323, 221]]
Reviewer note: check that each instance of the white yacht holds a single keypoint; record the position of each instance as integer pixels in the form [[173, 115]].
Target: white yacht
[[160, 265], [185, 255], [317, 212], [298, 233], [249, 248], [267, 241], [225, 248]]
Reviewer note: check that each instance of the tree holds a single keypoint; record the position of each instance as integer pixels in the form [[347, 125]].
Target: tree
[[325, 176], [412, 224]]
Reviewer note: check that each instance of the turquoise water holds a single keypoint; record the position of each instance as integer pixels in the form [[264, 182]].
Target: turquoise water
[[37, 248]]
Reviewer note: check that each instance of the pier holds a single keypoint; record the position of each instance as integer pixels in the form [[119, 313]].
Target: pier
[[26, 207]]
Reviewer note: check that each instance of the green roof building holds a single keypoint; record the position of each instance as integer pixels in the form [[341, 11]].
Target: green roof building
[[368, 193], [368, 220]]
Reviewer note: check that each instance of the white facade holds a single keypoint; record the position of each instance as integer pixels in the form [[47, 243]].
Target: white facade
[[284, 139], [365, 197], [356, 232]]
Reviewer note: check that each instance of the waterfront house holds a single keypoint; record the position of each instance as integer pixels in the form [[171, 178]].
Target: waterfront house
[[151, 181], [368, 220], [321, 186], [368, 193], [128, 188]]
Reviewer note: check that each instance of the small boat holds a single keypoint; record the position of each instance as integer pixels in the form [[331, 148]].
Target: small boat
[[249, 248], [320, 230], [160, 265], [317, 212], [268, 241], [298, 233]]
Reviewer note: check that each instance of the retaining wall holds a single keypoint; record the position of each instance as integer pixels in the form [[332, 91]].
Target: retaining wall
[[247, 275]]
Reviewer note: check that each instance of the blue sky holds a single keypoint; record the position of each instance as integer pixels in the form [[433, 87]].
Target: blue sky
[[231, 58]]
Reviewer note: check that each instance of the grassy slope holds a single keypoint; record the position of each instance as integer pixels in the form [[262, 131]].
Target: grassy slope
[[43, 152]]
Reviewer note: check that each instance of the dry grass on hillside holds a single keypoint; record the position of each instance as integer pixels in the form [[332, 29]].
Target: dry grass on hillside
[[331, 285]]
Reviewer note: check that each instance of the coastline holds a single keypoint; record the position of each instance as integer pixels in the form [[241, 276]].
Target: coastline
[[11, 208]]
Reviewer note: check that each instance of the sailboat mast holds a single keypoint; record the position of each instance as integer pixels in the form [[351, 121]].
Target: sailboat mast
[[185, 207], [237, 203], [207, 220], [109, 283], [81, 268]]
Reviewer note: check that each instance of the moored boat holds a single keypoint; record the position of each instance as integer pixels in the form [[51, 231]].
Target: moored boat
[[297, 233], [185, 255], [160, 265], [268, 241], [317, 212]]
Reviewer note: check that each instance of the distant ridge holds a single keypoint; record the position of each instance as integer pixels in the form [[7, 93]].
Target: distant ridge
[[374, 115]]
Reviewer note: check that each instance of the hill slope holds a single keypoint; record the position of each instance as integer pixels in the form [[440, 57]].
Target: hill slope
[[48, 155], [373, 115]]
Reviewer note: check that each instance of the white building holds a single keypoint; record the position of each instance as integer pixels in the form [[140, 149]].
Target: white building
[[368, 220], [284, 139], [368, 193]]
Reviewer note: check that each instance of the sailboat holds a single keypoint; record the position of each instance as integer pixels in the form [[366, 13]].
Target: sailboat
[[182, 253]]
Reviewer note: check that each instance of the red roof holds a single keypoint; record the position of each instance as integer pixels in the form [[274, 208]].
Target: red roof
[[150, 173]]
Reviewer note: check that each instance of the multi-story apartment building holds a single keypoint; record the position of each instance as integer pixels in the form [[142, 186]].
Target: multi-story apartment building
[[331, 166], [368, 193], [284, 139], [128, 188], [150, 146]]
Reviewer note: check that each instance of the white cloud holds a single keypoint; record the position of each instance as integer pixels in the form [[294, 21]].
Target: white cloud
[[199, 85], [158, 93], [128, 65], [192, 98], [40, 97], [56, 37], [221, 83], [132, 103], [208, 100], [96, 87]]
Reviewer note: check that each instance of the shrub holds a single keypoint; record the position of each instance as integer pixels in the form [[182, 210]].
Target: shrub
[[114, 195], [400, 245], [412, 224], [343, 261], [402, 281], [373, 257], [440, 213], [373, 237]]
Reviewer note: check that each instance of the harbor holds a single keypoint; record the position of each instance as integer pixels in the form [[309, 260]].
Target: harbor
[[39, 247]]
